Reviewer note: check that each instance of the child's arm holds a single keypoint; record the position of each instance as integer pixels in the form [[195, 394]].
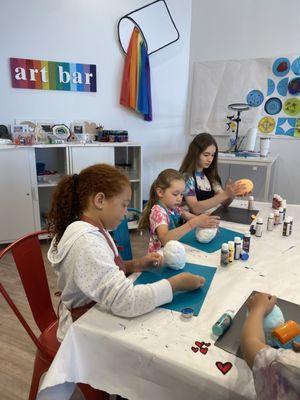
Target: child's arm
[[253, 337], [203, 221], [223, 197]]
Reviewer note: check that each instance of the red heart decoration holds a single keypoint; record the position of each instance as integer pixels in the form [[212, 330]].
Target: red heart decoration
[[207, 344], [204, 350], [199, 344], [224, 368], [195, 349]]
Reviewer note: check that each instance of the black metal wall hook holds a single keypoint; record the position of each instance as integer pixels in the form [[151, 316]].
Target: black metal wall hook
[[129, 17]]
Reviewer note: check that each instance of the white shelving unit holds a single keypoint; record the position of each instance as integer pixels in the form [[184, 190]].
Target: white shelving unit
[[27, 196]]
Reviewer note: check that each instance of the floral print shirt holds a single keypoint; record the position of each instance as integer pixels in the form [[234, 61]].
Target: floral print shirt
[[276, 374], [159, 216]]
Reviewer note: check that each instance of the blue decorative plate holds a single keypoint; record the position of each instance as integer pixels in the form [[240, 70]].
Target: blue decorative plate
[[273, 106], [294, 86], [271, 87], [282, 86], [281, 66], [255, 98], [296, 66]]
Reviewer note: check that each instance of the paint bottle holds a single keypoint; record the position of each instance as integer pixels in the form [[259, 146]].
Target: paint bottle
[[246, 241], [223, 323], [271, 222], [276, 217], [291, 225], [286, 227], [224, 255], [237, 247], [280, 215], [259, 227], [276, 202], [251, 203], [231, 251], [283, 205], [244, 255]]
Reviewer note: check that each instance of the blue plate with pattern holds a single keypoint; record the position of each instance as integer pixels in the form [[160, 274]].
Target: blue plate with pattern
[[273, 106]]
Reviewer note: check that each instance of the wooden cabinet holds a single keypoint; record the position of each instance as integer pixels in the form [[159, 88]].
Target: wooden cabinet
[[26, 196]]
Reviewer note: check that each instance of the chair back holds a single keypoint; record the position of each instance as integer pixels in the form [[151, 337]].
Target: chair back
[[30, 264], [121, 237]]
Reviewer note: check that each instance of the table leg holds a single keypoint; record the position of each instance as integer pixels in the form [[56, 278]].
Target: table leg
[[267, 183]]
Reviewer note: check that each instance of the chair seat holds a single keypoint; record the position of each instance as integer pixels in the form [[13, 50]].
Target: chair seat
[[49, 340]]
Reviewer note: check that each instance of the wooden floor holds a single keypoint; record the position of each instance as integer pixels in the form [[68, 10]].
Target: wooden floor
[[16, 349]]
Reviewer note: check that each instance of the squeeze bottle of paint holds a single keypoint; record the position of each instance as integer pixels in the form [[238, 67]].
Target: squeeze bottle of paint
[[244, 255], [286, 227], [280, 215], [271, 220], [259, 227], [283, 205], [291, 225], [231, 251], [276, 217], [224, 255], [251, 203], [223, 323], [246, 241], [237, 247]]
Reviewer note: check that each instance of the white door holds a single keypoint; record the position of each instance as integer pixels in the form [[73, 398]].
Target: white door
[[16, 203], [82, 157]]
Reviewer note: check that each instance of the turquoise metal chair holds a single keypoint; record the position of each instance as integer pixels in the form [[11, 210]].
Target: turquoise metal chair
[[121, 235]]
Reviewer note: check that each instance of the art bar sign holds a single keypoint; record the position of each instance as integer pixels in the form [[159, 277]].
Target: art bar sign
[[52, 75]]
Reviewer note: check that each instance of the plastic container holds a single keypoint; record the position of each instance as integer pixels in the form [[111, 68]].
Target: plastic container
[[223, 323]]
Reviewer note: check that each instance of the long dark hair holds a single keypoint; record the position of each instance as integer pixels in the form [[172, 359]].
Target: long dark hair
[[72, 194], [163, 181], [197, 146]]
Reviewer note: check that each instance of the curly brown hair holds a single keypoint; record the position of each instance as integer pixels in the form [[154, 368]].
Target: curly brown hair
[[73, 192]]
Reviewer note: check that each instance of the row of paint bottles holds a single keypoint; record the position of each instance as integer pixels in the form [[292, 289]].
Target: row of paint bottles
[[235, 250]]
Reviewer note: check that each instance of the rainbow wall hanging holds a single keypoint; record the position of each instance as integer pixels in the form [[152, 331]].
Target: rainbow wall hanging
[[52, 75]]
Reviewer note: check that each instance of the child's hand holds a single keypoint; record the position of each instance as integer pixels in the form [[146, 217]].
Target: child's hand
[[261, 302], [296, 346], [233, 189], [186, 281], [205, 221], [150, 261]]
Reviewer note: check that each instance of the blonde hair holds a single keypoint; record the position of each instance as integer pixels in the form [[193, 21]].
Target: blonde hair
[[163, 181]]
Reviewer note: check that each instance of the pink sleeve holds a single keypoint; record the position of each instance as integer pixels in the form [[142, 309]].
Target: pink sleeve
[[158, 216]]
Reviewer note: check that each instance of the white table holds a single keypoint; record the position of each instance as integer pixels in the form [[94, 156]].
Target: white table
[[267, 162], [150, 357]]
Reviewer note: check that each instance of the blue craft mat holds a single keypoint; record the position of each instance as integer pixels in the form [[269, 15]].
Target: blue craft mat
[[223, 236], [181, 300]]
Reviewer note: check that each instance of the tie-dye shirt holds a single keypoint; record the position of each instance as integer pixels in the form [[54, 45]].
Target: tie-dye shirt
[[159, 216], [277, 374], [202, 183]]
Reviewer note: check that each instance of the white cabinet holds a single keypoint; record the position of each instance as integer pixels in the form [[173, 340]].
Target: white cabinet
[[18, 198], [26, 197], [84, 156]]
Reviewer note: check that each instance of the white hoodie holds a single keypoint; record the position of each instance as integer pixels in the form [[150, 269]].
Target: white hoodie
[[86, 271]]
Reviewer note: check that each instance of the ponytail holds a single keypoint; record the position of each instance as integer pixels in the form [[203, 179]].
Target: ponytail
[[73, 192], [65, 207], [144, 223]]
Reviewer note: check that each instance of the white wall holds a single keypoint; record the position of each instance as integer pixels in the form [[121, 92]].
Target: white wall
[[234, 29], [84, 31]]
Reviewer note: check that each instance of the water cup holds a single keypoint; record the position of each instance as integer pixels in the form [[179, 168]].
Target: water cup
[[264, 146]]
